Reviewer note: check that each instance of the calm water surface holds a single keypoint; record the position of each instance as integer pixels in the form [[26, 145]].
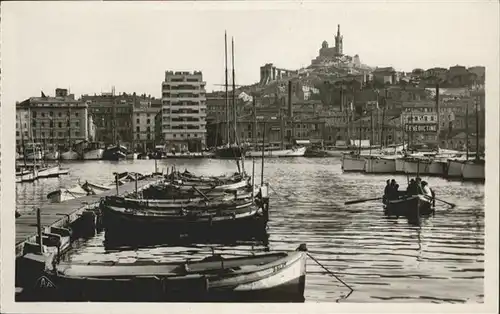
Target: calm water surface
[[383, 260]]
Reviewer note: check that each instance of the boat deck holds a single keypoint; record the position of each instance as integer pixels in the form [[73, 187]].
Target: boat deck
[[64, 213]]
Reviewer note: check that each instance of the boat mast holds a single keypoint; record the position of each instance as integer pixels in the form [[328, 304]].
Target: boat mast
[[477, 128], [254, 131], [467, 132], [234, 94], [22, 138], [69, 129], [226, 87], [371, 131]]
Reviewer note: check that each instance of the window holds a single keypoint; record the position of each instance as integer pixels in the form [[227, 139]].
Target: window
[[59, 114], [43, 124], [43, 134], [77, 123], [17, 133], [175, 135], [34, 133], [148, 121], [51, 114], [77, 133], [148, 136], [189, 135], [148, 129], [34, 114], [138, 136], [59, 124], [43, 114], [60, 134], [76, 114], [138, 129], [137, 121]]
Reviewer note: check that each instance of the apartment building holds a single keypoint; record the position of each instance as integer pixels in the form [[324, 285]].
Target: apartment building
[[61, 120], [184, 111], [143, 124]]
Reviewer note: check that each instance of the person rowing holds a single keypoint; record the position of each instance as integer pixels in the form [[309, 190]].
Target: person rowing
[[429, 192]]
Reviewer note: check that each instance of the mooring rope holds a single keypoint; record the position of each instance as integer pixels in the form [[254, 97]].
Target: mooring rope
[[332, 274]]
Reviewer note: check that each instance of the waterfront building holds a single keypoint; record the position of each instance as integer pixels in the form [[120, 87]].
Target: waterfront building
[[60, 120], [184, 111], [112, 116], [143, 125]]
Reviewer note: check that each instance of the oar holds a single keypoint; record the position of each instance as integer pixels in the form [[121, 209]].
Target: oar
[[362, 200], [451, 204]]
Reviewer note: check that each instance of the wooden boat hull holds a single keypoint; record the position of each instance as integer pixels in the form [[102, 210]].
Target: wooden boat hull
[[48, 172], [62, 195], [438, 167], [454, 168], [473, 171], [69, 155], [409, 206], [229, 152], [243, 220], [380, 165], [298, 152], [95, 154], [115, 153], [280, 277], [414, 167], [400, 165], [353, 164], [52, 155]]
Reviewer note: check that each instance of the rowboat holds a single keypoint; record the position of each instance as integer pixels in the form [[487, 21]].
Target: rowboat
[[242, 218], [269, 277], [65, 194], [409, 206], [48, 172]]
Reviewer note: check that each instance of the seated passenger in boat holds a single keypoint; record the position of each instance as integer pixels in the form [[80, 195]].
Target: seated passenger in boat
[[412, 188], [387, 191], [418, 182], [426, 189]]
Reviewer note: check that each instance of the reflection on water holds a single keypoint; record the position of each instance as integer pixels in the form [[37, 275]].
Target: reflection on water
[[384, 260]]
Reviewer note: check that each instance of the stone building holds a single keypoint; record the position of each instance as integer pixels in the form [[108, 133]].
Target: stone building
[[143, 125], [269, 73], [112, 116], [58, 121]]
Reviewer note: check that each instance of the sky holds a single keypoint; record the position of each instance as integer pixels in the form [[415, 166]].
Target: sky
[[89, 47]]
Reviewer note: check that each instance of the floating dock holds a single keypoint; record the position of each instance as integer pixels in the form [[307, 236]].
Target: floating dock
[[60, 215]]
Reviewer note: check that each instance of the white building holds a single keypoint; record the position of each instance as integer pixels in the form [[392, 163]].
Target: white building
[[184, 111], [143, 123]]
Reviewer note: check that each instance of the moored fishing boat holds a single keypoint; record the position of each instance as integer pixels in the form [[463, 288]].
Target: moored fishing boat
[[353, 163], [271, 277], [93, 151], [52, 155], [115, 152], [230, 152], [293, 152], [473, 170]]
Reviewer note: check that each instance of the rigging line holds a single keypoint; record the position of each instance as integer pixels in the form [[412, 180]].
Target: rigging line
[[331, 273]]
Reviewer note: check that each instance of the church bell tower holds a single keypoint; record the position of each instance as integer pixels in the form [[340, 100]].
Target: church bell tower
[[338, 42]]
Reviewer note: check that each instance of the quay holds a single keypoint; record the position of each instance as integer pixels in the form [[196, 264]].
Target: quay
[[61, 215]]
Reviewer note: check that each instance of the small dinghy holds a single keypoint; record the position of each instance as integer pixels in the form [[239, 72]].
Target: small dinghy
[[270, 277]]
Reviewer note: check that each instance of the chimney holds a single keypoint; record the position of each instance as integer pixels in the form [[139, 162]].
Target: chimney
[[290, 106]]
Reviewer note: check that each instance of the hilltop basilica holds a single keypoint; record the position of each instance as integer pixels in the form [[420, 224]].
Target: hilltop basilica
[[331, 56]]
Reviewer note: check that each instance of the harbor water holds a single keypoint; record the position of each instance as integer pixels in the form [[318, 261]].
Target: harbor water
[[440, 260]]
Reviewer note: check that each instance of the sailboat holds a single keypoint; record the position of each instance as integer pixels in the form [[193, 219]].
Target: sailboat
[[474, 169], [353, 162], [379, 163], [281, 151], [115, 151], [230, 150], [70, 154]]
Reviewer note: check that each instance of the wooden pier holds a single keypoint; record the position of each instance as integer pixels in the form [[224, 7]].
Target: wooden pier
[[62, 214]]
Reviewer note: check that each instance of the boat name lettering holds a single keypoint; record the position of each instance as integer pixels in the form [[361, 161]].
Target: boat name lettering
[[278, 267]]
